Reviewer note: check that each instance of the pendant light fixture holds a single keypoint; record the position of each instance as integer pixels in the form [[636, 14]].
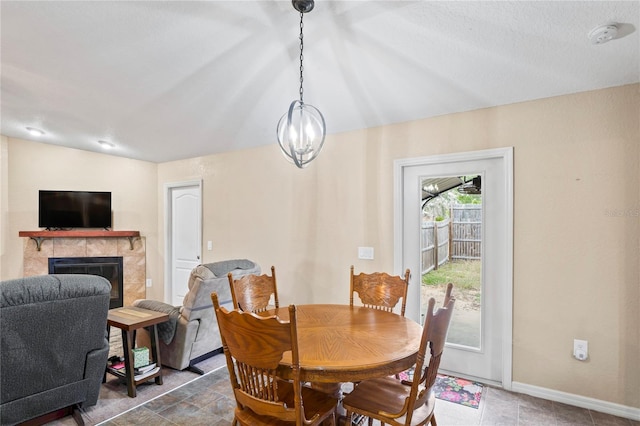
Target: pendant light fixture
[[301, 130]]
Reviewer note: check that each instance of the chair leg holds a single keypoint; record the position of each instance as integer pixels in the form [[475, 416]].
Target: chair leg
[[195, 369], [77, 416], [370, 421], [348, 418]]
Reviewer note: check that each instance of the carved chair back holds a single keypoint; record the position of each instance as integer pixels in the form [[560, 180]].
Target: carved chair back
[[432, 344], [254, 346], [252, 293], [407, 402], [380, 290]]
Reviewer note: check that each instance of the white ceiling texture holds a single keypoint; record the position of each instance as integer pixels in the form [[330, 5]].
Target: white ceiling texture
[[179, 79]]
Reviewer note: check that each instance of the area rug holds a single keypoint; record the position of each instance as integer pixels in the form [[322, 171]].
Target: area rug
[[460, 391], [453, 389]]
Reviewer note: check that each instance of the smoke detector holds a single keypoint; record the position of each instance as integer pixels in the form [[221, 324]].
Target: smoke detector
[[603, 33]]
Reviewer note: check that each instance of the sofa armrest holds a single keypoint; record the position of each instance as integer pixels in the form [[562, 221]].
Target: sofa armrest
[[155, 305], [167, 329], [94, 372]]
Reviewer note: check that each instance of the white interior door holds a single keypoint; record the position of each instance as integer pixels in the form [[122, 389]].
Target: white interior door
[[184, 237], [490, 361]]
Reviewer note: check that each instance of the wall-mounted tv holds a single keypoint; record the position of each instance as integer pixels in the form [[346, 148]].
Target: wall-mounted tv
[[74, 209]]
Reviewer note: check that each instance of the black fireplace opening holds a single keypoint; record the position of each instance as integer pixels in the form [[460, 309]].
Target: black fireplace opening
[[108, 267]]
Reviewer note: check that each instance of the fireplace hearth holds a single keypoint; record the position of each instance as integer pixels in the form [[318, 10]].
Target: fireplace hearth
[[109, 267], [87, 244]]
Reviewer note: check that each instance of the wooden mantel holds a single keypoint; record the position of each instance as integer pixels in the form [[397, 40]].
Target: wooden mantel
[[39, 236]]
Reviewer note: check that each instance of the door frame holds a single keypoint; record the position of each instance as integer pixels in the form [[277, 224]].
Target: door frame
[[168, 231], [506, 302]]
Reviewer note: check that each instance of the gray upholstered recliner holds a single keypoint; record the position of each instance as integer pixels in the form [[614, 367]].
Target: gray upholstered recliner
[[192, 335], [53, 344]]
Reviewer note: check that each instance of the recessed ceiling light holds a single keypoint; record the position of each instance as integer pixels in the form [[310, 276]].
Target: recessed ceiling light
[[34, 132], [603, 33], [106, 145]]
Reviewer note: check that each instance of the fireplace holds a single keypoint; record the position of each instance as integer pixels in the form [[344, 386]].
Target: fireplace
[[108, 267]]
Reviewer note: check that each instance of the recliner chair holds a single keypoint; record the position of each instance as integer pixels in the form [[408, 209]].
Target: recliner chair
[[53, 344], [191, 334]]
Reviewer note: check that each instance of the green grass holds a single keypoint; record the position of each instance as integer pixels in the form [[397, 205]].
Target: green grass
[[464, 274]]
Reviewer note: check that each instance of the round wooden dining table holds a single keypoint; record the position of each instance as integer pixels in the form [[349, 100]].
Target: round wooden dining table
[[343, 343]]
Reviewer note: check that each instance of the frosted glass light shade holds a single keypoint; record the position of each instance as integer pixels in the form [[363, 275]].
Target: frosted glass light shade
[[301, 132]]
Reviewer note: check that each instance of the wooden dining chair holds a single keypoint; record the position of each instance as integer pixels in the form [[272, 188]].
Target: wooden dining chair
[[254, 347], [380, 290], [252, 293], [403, 403]]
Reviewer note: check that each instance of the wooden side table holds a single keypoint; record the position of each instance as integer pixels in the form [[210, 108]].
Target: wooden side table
[[129, 319]]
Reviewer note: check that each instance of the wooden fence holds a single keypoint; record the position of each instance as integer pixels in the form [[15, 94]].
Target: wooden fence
[[466, 231], [434, 244], [459, 237]]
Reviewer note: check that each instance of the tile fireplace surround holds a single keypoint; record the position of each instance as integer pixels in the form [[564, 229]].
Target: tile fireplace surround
[[134, 260]]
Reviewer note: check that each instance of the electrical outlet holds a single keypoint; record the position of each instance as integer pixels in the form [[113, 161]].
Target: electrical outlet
[[149, 282], [580, 349], [209, 245]]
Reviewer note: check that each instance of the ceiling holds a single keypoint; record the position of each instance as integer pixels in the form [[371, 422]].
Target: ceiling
[[178, 79]]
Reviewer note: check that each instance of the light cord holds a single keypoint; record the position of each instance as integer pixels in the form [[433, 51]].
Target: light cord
[[301, 56]]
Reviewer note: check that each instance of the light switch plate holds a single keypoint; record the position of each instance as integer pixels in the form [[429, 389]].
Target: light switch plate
[[365, 253]]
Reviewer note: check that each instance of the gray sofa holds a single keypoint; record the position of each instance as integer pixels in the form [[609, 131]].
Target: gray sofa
[[192, 333], [53, 345]]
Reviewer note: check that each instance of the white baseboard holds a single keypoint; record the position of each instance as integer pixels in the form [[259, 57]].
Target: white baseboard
[[578, 401]]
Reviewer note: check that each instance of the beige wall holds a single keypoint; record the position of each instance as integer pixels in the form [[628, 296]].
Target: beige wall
[[576, 236], [4, 199], [32, 166], [576, 230]]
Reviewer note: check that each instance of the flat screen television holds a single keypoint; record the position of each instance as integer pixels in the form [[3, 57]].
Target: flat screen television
[[74, 209]]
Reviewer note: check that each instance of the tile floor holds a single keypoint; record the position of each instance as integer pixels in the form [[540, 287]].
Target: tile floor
[[209, 401]]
